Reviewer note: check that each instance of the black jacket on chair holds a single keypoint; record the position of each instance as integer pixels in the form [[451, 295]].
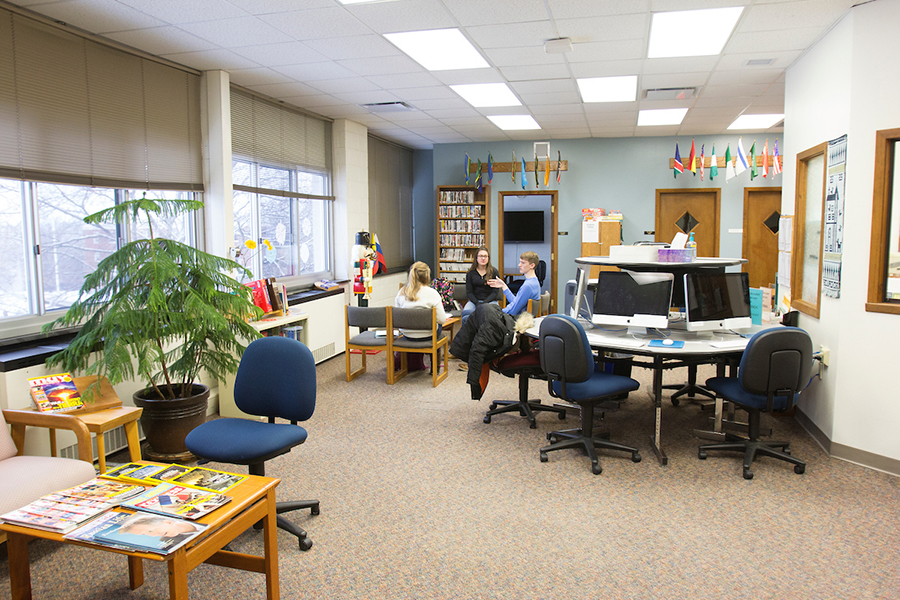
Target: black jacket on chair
[[488, 333]]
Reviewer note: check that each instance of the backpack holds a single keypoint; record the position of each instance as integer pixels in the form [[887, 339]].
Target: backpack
[[444, 287]]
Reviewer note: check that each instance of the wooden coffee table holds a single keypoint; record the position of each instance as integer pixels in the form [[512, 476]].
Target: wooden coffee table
[[252, 501]]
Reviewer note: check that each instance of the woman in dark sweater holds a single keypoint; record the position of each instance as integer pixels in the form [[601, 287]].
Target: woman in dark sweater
[[477, 289]]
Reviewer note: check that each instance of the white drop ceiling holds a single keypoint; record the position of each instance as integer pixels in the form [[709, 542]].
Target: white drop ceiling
[[329, 58]]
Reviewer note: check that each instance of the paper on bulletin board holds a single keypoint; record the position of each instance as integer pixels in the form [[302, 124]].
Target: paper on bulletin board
[[590, 232]]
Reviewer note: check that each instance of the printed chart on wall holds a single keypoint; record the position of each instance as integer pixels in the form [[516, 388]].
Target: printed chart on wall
[[834, 217]]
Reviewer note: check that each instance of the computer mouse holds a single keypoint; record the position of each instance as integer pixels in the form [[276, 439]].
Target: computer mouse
[[668, 342]]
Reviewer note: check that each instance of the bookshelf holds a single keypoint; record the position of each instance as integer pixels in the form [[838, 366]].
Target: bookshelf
[[463, 224]]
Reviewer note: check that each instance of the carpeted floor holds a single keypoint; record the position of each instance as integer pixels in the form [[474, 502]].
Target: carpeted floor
[[422, 500]]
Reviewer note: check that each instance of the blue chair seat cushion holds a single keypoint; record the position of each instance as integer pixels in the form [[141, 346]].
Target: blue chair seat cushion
[[598, 385], [242, 441], [730, 389]]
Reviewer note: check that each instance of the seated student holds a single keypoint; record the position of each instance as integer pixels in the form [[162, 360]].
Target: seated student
[[488, 334], [418, 294], [530, 290], [477, 289]]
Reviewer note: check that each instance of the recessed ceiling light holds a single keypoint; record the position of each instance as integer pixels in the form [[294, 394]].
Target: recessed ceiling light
[[608, 89], [482, 95], [662, 116], [755, 121], [691, 32], [439, 49], [512, 122]]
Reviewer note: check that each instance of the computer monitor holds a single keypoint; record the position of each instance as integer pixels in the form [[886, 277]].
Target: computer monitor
[[717, 301], [633, 299]]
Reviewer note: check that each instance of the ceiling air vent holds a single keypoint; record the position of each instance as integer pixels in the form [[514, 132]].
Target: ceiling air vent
[[759, 62], [670, 93], [381, 107]]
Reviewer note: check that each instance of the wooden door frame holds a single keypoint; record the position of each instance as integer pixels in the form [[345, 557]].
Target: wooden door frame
[[554, 229], [718, 194]]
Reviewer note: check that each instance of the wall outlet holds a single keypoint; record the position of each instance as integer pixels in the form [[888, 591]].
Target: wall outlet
[[826, 355]]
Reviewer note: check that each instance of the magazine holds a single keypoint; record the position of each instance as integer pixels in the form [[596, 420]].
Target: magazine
[[86, 532], [53, 516], [209, 480], [148, 533], [178, 501], [137, 472], [169, 472], [55, 393], [111, 492]]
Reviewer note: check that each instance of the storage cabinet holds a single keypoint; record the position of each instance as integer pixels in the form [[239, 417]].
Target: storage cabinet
[[463, 224], [608, 233]]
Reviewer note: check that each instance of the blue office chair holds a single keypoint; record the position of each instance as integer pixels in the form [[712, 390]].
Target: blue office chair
[[775, 366], [568, 362], [276, 378]]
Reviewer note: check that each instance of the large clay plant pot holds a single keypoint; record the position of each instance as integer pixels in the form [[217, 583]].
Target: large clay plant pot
[[167, 422]]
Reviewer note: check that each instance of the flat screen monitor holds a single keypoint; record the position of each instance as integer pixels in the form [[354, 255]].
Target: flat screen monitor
[[717, 301], [633, 299], [523, 226]]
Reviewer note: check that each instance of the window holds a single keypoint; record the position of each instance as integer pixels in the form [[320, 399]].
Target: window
[[809, 204], [51, 249], [390, 201], [884, 253]]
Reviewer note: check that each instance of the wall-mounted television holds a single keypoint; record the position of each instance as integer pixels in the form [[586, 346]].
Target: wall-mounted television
[[523, 226]]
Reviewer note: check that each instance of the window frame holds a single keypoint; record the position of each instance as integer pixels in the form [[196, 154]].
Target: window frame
[[798, 246], [886, 149]]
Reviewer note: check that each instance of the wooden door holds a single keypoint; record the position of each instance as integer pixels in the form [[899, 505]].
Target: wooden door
[[762, 211], [690, 210]]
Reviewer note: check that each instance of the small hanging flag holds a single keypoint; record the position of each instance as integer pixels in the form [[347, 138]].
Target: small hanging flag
[[558, 168], [766, 159], [753, 172], [537, 182], [741, 165], [490, 168], [692, 160], [679, 168], [547, 172], [468, 163], [478, 181], [512, 167], [524, 178], [702, 146], [714, 165], [775, 159], [729, 166]]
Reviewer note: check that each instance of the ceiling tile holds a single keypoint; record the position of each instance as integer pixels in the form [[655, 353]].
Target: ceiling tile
[[242, 31], [790, 15], [673, 80], [403, 15], [315, 71], [346, 84], [356, 46], [453, 113], [469, 76], [781, 60], [386, 65], [98, 16], [534, 72], [527, 55], [606, 69], [601, 29], [317, 23], [263, 7], [261, 76], [366, 97], [274, 55], [659, 66], [287, 89], [211, 60], [423, 94], [725, 91], [745, 75], [551, 98], [508, 11], [578, 9], [513, 35], [558, 109], [439, 104], [421, 80], [544, 86], [784, 39], [161, 40], [605, 51], [313, 102], [178, 11]]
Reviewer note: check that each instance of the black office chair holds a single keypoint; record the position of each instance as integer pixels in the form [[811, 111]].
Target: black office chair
[[568, 362], [774, 368], [276, 378], [540, 271]]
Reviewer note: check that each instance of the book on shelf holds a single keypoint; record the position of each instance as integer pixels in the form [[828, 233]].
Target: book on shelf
[[141, 531], [193, 477], [55, 393], [48, 515], [260, 295], [177, 501]]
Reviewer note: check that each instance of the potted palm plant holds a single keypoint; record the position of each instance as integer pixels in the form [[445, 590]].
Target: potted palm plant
[[161, 312]]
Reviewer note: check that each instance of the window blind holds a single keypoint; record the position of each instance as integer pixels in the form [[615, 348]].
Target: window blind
[[269, 134], [390, 201], [74, 111]]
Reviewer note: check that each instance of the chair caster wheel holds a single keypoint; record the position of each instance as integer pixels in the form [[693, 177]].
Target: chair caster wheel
[[551, 438], [701, 454], [748, 474], [799, 469], [493, 406], [786, 450], [305, 544], [532, 424], [596, 469], [562, 416], [487, 419], [675, 401], [543, 457], [314, 510], [636, 457]]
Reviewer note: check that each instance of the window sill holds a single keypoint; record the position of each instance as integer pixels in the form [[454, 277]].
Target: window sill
[[883, 307]]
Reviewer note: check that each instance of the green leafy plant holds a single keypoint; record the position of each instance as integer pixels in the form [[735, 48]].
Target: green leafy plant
[[157, 310]]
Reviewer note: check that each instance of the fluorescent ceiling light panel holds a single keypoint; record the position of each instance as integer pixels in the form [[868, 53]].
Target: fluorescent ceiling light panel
[[755, 121], [513, 122], [608, 89], [663, 116], [439, 49], [482, 95], [691, 32]]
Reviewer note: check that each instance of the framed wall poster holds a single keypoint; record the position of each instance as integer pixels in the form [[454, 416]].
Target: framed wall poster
[[833, 233]]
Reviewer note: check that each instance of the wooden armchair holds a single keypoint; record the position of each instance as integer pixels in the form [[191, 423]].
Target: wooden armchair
[[417, 318]]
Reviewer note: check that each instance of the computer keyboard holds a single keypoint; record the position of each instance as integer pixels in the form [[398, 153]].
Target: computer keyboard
[[630, 342], [739, 344]]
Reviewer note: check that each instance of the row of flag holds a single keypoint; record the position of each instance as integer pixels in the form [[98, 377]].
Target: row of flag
[[480, 177], [732, 168]]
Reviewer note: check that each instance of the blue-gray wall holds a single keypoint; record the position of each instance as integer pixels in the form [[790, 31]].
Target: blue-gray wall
[[424, 200], [611, 173]]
